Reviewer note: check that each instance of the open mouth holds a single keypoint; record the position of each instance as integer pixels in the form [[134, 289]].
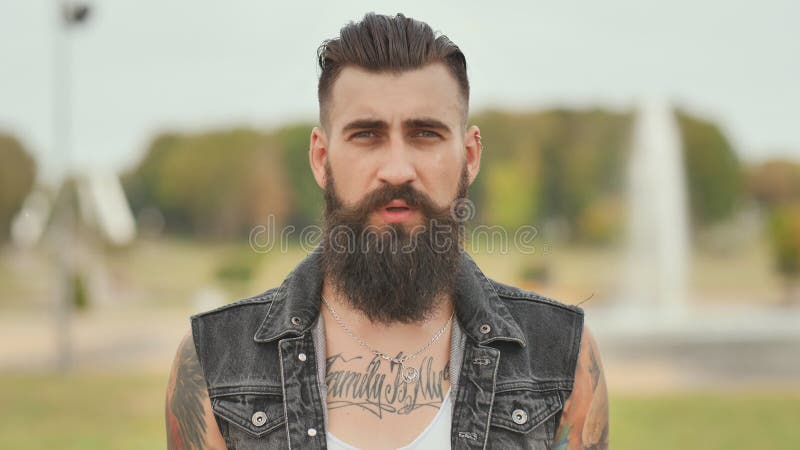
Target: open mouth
[[396, 211], [397, 206]]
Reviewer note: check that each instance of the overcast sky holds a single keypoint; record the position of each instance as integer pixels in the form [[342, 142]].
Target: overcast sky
[[143, 66]]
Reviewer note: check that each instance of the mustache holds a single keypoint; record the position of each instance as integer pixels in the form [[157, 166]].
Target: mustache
[[379, 197]]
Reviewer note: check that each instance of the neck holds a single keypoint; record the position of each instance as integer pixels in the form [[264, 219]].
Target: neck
[[391, 337]]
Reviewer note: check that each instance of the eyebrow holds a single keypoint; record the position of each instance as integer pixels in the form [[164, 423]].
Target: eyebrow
[[365, 124], [377, 124], [427, 122]]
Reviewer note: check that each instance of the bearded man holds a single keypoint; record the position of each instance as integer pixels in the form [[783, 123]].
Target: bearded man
[[388, 335]]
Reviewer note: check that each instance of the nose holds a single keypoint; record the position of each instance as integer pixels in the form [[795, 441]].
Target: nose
[[398, 167]]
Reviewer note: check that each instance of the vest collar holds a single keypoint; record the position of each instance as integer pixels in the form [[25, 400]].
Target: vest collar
[[480, 312]]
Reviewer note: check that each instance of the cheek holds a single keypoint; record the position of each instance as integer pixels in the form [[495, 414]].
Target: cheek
[[351, 177], [441, 179]]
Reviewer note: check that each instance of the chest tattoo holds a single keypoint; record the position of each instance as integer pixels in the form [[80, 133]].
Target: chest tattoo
[[360, 383]]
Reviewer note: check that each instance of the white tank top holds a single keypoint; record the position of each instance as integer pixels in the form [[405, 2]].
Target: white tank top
[[435, 436]]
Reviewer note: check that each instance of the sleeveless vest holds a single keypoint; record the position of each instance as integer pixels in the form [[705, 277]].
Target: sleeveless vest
[[516, 365]]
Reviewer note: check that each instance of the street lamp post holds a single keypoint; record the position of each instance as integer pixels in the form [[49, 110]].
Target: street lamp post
[[69, 14]]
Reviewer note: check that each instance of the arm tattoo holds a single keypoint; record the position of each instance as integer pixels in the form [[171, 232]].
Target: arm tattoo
[[595, 429], [587, 429], [562, 440], [594, 370], [186, 425]]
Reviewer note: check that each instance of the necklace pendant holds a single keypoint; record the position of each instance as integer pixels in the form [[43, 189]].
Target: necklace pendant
[[410, 374]]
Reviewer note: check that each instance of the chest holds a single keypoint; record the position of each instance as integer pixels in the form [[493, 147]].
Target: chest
[[370, 405], [366, 400]]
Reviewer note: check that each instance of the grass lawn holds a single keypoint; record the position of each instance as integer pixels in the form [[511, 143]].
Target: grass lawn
[[706, 421], [82, 412], [115, 411]]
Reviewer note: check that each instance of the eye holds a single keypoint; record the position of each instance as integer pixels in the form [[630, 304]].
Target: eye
[[426, 134], [364, 134]]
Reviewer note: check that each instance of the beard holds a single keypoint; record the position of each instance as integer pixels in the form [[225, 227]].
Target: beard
[[390, 273]]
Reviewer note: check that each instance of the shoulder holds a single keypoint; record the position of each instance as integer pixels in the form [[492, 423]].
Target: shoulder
[[553, 325], [584, 423], [189, 420], [230, 326], [523, 299], [262, 300], [244, 314]]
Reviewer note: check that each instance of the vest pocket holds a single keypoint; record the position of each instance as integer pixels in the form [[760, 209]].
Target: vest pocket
[[255, 413], [527, 412]]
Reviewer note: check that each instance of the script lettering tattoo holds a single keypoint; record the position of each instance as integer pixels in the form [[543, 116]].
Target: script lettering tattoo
[[186, 426], [379, 393]]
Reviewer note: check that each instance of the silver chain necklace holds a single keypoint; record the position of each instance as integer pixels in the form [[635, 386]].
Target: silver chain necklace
[[409, 374]]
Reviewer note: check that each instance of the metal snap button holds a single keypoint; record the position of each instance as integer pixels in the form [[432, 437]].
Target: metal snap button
[[302, 357], [259, 418], [312, 432], [519, 416], [485, 328], [296, 321]]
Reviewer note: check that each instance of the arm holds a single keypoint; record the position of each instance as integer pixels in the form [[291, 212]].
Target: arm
[[584, 422], [190, 422]]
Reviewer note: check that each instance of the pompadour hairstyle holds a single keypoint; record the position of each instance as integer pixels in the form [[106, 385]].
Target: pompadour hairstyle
[[380, 43]]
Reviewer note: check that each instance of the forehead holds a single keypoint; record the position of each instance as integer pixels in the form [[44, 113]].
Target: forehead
[[430, 91]]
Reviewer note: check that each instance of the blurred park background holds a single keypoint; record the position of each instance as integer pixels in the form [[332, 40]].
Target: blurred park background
[[653, 149]]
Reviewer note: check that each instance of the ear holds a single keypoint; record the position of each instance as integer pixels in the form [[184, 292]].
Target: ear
[[473, 147], [318, 155]]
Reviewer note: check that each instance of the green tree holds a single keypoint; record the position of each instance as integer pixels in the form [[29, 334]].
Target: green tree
[[306, 202], [774, 182], [17, 177], [784, 233], [552, 164], [714, 173], [218, 183], [775, 186], [564, 164]]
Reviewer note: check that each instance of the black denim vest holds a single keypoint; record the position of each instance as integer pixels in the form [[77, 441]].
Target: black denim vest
[[517, 369]]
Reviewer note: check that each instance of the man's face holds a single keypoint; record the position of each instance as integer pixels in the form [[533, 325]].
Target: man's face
[[399, 156], [394, 129]]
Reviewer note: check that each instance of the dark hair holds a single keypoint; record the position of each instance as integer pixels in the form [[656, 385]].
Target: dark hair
[[382, 43]]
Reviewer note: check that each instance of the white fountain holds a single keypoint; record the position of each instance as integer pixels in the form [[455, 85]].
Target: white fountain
[[654, 297], [658, 225], [654, 328]]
